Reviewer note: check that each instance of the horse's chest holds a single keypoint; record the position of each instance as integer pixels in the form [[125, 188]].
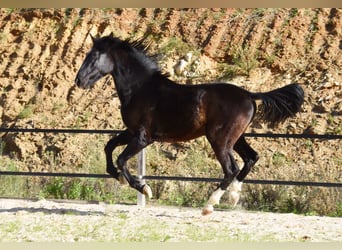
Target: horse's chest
[[135, 115]]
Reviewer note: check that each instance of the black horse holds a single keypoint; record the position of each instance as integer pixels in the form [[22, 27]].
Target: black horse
[[154, 108]]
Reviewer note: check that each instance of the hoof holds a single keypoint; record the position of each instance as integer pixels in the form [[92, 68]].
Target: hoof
[[147, 191], [234, 198], [208, 209], [122, 179], [234, 192]]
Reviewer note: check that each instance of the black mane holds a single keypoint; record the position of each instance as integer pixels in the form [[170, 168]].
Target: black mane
[[138, 48], [142, 45]]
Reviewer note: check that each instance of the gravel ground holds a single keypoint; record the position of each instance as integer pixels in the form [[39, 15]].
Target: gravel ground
[[42, 221]]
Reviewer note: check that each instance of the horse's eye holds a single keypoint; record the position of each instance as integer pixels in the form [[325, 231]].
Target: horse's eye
[[95, 54], [102, 50]]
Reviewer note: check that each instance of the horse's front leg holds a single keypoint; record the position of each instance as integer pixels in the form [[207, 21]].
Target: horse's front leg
[[121, 139], [136, 144]]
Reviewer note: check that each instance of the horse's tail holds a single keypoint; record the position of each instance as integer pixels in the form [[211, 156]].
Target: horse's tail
[[279, 104]]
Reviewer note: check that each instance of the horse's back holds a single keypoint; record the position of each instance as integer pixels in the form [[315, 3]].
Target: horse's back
[[183, 112], [219, 97], [225, 102]]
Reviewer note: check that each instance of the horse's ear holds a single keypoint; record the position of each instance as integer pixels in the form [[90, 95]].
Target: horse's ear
[[111, 34], [92, 38]]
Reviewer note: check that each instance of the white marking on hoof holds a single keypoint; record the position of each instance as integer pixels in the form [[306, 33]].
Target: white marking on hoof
[[234, 192], [234, 198], [147, 191], [216, 196], [122, 179], [213, 200], [208, 209]]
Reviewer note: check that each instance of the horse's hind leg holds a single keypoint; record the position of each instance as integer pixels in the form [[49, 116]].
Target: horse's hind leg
[[250, 157], [230, 169], [122, 139]]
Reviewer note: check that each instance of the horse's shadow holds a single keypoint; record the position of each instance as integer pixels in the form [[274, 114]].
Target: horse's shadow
[[62, 211]]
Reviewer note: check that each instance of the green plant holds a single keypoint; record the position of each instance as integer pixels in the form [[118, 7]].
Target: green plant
[[26, 112], [296, 202], [258, 12], [338, 210], [337, 160], [309, 144], [244, 58], [278, 159], [77, 21], [313, 29], [269, 60], [217, 16], [2, 146], [83, 119], [187, 195], [3, 36], [55, 189], [57, 107], [293, 12], [86, 189], [227, 71], [60, 188], [177, 46], [11, 186], [265, 198]]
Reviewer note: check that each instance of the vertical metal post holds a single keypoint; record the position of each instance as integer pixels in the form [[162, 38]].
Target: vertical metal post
[[141, 173]]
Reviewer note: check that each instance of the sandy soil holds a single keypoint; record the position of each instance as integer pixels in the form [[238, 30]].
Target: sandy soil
[[43, 220]]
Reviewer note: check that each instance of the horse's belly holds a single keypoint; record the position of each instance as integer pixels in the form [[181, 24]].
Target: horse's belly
[[182, 131]]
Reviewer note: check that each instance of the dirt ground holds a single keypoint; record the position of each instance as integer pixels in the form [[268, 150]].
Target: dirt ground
[[49, 221]]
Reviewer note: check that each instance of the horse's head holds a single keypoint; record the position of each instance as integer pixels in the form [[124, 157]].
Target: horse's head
[[97, 63]]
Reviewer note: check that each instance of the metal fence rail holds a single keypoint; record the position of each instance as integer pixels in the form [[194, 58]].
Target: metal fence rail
[[141, 161], [174, 178], [107, 131]]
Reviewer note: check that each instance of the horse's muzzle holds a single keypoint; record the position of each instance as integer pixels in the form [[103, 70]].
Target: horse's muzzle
[[78, 82]]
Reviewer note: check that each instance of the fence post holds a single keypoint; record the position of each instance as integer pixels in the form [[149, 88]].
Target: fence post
[[141, 174]]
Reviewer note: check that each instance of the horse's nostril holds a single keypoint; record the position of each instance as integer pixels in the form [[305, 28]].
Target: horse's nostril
[[77, 81]]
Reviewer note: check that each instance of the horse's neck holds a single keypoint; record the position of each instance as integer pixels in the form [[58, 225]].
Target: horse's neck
[[130, 75], [128, 83]]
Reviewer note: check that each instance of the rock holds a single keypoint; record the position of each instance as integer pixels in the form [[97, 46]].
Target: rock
[[319, 108], [180, 67]]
